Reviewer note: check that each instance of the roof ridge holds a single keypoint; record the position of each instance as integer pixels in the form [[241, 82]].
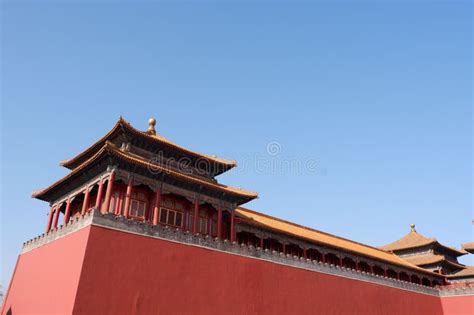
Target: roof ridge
[[122, 122], [162, 138]]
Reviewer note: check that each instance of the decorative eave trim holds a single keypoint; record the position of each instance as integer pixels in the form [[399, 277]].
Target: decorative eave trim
[[123, 124], [110, 148]]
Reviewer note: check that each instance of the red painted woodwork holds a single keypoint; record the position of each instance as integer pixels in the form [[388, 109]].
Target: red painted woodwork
[[67, 212], [79, 274], [100, 191], [128, 196], [56, 217], [50, 219], [196, 216], [108, 193], [219, 221], [156, 207], [85, 204], [232, 225]]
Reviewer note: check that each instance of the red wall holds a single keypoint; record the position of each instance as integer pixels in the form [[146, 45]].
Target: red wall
[[101, 271], [45, 279], [459, 305], [131, 274]]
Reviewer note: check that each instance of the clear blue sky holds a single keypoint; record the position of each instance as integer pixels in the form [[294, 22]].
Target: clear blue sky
[[378, 95]]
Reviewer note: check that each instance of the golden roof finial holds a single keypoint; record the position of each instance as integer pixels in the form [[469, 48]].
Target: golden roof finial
[[412, 227], [151, 126]]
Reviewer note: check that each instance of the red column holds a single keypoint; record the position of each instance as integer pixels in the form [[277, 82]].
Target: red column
[[128, 195], [98, 200], [371, 268], [108, 193], [232, 225], [185, 219], [385, 272], [67, 213], [50, 219], [323, 257], [284, 249], [219, 221], [85, 204], [261, 242], [156, 207], [304, 253], [118, 202], [209, 223], [357, 265], [196, 216], [118, 210], [56, 217]]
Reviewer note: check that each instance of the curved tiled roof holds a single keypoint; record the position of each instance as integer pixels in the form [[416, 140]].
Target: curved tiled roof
[[122, 123], [468, 271], [415, 240], [468, 247], [110, 148], [411, 240], [324, 238], [428, 259]]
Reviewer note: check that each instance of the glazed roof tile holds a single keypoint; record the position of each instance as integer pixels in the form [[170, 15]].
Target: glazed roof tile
[[123, 124], [323, 238], [110, 148]]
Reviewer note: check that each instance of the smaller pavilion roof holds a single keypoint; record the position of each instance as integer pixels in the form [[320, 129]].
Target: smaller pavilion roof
[[430, 258], [468, 271], [468, 247], [414, 240]]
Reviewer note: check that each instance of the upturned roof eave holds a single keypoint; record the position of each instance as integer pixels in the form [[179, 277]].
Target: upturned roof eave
[[74, 162], [109, 148]]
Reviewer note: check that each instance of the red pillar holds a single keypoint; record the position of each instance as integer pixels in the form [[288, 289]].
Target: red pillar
[[67, 213], [156, 207], [118, 202], [85, 204], [284, 248], [108, 193], [185, 219], [371, 268], [385, 272], [118, 210], [219, 222], [196, 216], [323, 257], [261, 242], [232, 225], [209, 223], [50, 219], [357, 265], [128, 195], [56, 217], [98, 200], [304, 253]]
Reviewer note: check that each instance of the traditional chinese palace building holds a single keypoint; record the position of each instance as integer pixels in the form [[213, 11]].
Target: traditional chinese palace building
[[141, 225], [431, 255]]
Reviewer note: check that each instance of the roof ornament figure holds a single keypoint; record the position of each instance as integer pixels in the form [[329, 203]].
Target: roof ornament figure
[[412, 227], [151, 126]]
